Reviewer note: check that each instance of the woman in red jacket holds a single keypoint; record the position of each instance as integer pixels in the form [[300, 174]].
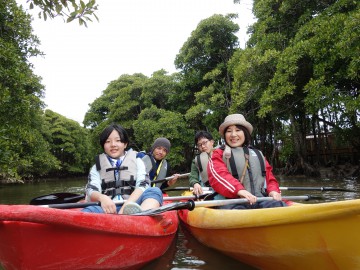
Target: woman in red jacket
[[238, 170]]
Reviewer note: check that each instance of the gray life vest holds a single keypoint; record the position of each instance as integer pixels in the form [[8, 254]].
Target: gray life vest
[[150, 165], [201, 162], [254, 177], [124, 182]]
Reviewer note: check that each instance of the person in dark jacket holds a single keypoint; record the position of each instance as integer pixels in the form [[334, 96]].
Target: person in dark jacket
[[156, 165]]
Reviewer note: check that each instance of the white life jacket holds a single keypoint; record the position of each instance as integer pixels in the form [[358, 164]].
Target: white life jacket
[[121, 183]]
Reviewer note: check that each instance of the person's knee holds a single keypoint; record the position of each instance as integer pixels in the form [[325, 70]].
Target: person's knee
[[153, 193]]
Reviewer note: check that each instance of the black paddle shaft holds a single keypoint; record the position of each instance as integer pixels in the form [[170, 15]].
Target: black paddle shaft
[[190, 205]]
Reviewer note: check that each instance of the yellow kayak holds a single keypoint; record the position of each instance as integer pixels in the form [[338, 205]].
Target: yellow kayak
[[304, 236]]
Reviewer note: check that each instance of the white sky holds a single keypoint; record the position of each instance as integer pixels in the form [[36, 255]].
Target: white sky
[[132, 36]]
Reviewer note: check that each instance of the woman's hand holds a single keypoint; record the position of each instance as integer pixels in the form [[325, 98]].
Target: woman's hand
[[173, 180], [243, 193], [197, 189], [275, 195], [107, 204]]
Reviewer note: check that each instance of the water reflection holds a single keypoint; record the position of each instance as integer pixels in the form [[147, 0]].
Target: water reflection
[[189, 254], [23, 193], [327, 196]]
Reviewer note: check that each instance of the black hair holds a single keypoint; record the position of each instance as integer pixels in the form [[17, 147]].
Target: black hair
[[104, 135], [247, 141], [202, 134]]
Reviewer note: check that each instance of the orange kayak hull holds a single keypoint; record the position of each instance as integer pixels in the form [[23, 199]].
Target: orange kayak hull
[[303, 236]]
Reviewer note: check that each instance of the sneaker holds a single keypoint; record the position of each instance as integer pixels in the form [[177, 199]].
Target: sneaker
[[131, 208]]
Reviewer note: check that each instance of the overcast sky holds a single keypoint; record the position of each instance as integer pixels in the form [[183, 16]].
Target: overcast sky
[[132, 36]]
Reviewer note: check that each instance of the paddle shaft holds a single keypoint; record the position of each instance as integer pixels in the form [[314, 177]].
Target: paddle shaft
[[60, 198], [281, 188], [170, 177], [82, 205], [190, 205], [317, 188], [243, 201]]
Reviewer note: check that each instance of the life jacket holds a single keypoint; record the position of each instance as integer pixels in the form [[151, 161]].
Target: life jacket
[[248, 166], [121, 183], [150, 166], [201, 162]]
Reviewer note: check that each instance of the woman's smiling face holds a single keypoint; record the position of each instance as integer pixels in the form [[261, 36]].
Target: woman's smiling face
[[113, 146], [234, 136]]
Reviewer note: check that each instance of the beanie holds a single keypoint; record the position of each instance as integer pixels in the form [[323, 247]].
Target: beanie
[[161, 142]]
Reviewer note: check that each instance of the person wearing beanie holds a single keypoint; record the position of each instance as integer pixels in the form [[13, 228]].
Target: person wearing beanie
[[156, 165], [119, 165], [198, 174], [238, 170]]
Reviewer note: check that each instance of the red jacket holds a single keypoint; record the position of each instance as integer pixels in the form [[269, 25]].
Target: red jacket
[[222, 181]]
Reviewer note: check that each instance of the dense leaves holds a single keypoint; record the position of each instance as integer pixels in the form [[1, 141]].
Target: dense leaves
[[308, 54], [298, 78], [28, 144], [154, 122], [69, 143], [20, 93], [203, 62]]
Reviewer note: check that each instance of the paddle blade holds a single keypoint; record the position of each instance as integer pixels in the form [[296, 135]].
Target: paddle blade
[[57, 198]]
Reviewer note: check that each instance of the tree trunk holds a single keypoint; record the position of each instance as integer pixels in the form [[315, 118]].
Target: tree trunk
[[301, 166]]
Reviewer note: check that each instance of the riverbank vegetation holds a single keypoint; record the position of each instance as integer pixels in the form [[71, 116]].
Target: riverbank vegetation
[[297, 79]]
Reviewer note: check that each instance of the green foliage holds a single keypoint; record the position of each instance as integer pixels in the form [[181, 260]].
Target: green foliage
[[160, 90], [29, 143], [119, 102], [203, 60], [153, 123], [22, 146], [302, 60], [287, 150], [211, 43], [298, 75], [70, 9], [69, 143]]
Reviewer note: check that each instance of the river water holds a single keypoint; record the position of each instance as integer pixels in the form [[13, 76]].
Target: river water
[[186, 252]]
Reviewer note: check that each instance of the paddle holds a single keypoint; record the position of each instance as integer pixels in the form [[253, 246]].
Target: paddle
[[82, 205], [317, 188], [184, 175], [190, 205], [64, 197], [281, 188], [56, 198]]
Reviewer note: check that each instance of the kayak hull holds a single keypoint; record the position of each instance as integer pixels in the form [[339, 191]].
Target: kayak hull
[[33, 237], [303, 236]]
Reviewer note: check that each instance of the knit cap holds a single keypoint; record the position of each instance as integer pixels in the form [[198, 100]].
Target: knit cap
[[161, 142]]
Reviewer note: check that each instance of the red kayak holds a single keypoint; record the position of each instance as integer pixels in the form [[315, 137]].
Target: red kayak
[[34, 237]]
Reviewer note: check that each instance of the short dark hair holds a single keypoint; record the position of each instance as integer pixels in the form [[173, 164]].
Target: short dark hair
[[202, 134], [104, 135], [247, 141]]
